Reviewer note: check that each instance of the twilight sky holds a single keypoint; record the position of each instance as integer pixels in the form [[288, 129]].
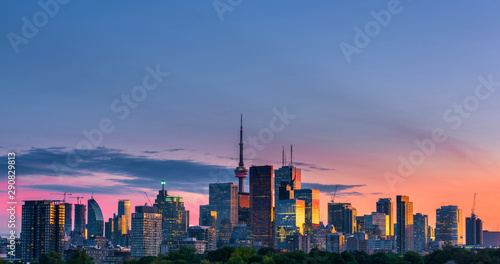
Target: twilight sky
[[428, 75]]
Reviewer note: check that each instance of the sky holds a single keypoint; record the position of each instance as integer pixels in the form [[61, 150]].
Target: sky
[[408, 108]]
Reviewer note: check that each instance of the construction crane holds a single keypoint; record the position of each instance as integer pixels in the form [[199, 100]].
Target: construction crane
[[78, 199], [473, 206], [334, 193], [148, 199], [63, 194]]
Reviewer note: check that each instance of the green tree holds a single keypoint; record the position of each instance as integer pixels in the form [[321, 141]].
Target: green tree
[[50, 258], [413, 257], [187, 254], [264, 251], [80, 257], [220, 255]]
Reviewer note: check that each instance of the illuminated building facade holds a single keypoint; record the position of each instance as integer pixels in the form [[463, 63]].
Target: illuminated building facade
[[311, 198], [174, 215], [449, 225], [404, 227], [124, 210], [146, 233], [377, 224], [290, 217], [384, 205], [286, 174], [42, 229]]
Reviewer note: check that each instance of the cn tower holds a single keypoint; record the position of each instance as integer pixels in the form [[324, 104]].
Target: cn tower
[[241, 172]]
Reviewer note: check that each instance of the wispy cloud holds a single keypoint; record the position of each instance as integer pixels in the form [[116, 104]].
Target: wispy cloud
[[144, 172]]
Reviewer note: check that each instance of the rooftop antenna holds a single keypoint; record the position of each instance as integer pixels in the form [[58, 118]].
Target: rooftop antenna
[[92, 196], [283, 157], [162, 185], [218, 175], [291, 155]]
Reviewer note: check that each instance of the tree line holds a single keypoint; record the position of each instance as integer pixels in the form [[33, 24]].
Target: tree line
[[246, 255]]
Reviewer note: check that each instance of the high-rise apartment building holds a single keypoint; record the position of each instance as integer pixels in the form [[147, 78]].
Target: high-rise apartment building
[[42, 229], [449, 225], [146, 233], [404, 227], [261, 204], [420, 232], [80, 211], [68, 211]]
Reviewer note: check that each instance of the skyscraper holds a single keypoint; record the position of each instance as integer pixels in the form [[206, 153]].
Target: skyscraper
[[290, 217], [174, 215], [343, 217], [473, 230], [449, 225], [224, 196], [261, 204], [80, 211], [146, 233], [377, 224], [208, 216], [384, 205], [124, 210], [420, 232], [286, 174], [108, 229], [404, 230], [311, 198], [68, 210], [95, 225], [42, 229]]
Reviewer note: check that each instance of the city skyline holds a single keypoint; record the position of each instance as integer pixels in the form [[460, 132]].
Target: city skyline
[[231, 180], [358, 127]]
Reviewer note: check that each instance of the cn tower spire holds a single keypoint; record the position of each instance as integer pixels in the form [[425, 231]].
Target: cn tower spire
[[241, 142], [241, 171]]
